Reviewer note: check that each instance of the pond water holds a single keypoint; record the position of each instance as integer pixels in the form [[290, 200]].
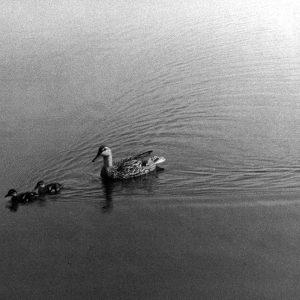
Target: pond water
[[211, 86]]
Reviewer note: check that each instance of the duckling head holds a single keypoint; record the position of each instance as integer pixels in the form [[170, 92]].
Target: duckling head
[[102, 151], [41, 184], [11, 193]]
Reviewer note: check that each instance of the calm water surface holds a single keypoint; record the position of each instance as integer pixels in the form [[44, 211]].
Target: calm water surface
[[213, 87]]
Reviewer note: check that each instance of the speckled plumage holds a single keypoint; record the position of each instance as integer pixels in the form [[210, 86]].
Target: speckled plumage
[[48, 189], [21, 197], [129, 167]]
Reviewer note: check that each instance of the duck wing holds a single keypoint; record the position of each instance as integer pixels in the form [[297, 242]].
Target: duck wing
[[53, 188], [27, 196], [140, 156], [129, 169]]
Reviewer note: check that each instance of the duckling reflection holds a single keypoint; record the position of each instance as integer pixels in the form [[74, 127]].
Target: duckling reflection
[[19, 198], [145, 184], [12, 205]]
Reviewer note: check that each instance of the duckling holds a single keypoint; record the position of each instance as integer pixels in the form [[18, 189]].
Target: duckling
[[129, 167], [21, 197], [50, 189]]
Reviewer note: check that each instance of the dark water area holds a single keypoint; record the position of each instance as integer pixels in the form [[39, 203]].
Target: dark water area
[[211, 86]]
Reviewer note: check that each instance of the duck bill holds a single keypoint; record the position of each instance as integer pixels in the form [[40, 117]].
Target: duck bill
[[7, 195], [96, 157], [36, 187]]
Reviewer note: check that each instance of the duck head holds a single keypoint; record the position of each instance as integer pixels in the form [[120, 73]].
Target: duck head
[[11, 193], [41, 184], [102, 151]]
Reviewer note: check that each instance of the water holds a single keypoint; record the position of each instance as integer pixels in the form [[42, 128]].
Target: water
[[211, 86]]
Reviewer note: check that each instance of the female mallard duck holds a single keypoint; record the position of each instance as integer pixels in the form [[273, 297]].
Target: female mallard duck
[[21, 197], [49, 189], [129, 167]]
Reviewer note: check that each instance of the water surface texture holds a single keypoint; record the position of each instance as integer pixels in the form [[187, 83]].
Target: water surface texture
[[213, 86]]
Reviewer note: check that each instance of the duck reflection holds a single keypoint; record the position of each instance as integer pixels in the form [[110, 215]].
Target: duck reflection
[[108, 187], [145, 184]]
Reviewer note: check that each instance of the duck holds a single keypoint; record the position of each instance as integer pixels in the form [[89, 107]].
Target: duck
[[21, 197], [48, 189], [129, 167]]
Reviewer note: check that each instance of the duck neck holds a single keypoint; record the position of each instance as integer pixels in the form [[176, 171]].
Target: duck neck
[[41, 189], [107, 161]]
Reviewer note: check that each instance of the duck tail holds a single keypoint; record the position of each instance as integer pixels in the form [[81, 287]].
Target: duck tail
[[152, 163], [158, 159]]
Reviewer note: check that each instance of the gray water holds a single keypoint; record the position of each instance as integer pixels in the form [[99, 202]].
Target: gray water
[[211, 86]]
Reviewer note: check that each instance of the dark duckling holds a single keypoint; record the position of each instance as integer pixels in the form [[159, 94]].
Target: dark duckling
[[21, 197], [48, 189]]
